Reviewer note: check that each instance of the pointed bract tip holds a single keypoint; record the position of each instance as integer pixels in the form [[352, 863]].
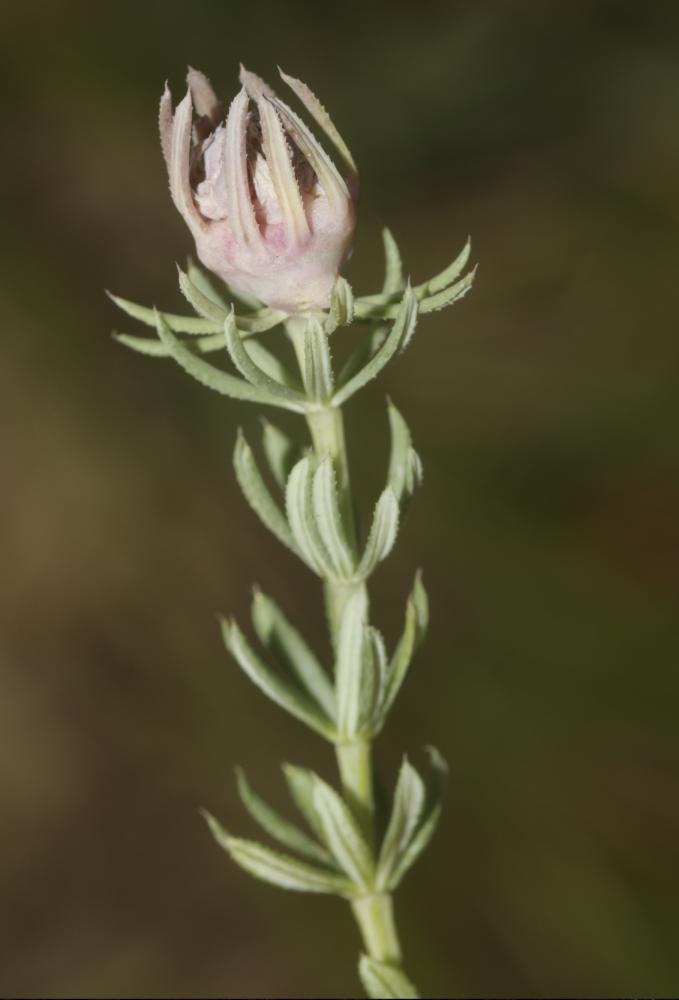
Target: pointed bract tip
[[254, 85]]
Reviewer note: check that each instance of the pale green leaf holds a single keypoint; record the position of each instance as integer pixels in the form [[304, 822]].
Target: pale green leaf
[[281, 453], [342, 834], [257, 494], [341, 311], [317, 368], [276, 826], [329, 519], [405, 468], [204, 283], [407, 808], [393, 270], [154, 348], [206, 374], [301, 782], [276, 391], [449, 274], [280, 690], [399, 335], [299, 508], [278, 869], [260, 321], [427, 827], [446, 297], [416, 620], [276, 633], [369, 344], [203, 304], [178, 324], [382, 535]]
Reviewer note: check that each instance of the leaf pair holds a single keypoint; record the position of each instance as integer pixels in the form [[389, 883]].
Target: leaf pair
[[438, 292], [414, 817], [342, 860], [207, 328], [298, 683], [337, 858]]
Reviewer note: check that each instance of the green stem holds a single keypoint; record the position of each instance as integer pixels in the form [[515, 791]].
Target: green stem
[[355, 766], [375, 917], [374, 913]]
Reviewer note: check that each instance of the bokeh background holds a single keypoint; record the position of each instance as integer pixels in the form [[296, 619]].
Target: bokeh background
[[545, 408]]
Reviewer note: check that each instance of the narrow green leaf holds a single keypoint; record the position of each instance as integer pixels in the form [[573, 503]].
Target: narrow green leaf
[[299, 508], [275, 391], [377, 307], [276, 633], [317, 370], [278, 869], [341, 311], [260, 321], [385, 982], [446, 297], [427, 827], [281, 453], [276, 826], [409, 800], [258, 496], [178, 324], [380, 670], [416, 620], [369, 344], [405, 468], [269, 363], [203, 304], [421, 605], [382, 535], [301, 783], [279, 690], [400, 334], [205, 284], [206, 374], [342, 834], [351, 665], [329, 519], [449, 274], [156, 349], [393, 270]]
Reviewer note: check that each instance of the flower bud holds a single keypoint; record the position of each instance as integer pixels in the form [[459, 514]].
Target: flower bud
[[269, 211]]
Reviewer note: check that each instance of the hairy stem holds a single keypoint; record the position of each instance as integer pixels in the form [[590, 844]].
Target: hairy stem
[[373, 912]]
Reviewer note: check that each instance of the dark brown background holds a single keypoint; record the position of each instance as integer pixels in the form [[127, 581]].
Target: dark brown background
[[545, 408]]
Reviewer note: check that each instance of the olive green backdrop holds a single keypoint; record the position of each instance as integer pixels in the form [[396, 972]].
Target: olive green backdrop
[[545, 408]]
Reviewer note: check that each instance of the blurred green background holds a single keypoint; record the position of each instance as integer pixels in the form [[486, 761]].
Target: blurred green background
[[545, 408]]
